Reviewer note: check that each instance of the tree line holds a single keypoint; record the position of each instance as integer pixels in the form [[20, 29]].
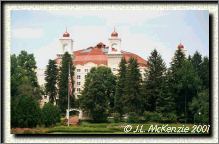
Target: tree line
[[179, 93]]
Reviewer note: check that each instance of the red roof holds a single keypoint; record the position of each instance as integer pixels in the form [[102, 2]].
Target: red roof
[[98, 55], [180, 46]]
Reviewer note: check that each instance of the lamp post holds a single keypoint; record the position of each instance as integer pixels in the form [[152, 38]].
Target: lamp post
[[199, 113]]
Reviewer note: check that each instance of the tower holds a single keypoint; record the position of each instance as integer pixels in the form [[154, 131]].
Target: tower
[[114, 43], [182, 48], [114, 52], [66, 43]]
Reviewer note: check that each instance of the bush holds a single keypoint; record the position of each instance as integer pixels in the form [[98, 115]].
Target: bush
[[133, 118], [50, 114], [117, 117], [25, 112], [152, 117], [169, 118]]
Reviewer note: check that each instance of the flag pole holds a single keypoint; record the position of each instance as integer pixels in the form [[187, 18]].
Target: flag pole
[[68, 91]]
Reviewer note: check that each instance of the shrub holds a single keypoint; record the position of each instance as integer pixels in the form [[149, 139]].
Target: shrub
[[117, 117], [25, 112], [50, 114], [133, 118], [152, 117], [169, 118]]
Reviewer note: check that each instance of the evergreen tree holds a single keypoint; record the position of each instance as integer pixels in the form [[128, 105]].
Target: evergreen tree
[[119, 95], [204, 75], [132, 97], [187, 86], [98, 89], [51, 76], [200, 107], [165, 102], [154, 84], [64, 83], [173, 78], [196, 62]]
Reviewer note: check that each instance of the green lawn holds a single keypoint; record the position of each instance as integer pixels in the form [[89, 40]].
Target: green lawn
[[103, 128]]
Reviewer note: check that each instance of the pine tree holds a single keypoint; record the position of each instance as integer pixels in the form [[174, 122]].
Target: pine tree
[[154, 84], [51, 76], [187, 86], [119, 95], [196, 62], [173, 79], [204, 75], [63, 83], [132, 97], [98, 89], [165, 102]]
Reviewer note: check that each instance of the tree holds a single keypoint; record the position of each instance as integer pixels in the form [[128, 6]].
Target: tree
[[50, 114], [23, 75], [63, 83], [200, 107], [154, 84], [132, 97], [25, 112], [187, 87], [204, 75], [165, 102], [119, 94], [98, 89], [51, 76], [28, 64], [196, 62]]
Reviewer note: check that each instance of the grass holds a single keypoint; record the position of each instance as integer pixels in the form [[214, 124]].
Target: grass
[[96, 128]]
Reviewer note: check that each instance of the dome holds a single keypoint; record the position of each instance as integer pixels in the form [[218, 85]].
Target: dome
[[180, 46], [66, 34], [114, 34]]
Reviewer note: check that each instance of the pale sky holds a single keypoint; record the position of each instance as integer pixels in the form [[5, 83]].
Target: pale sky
[[38, 32]]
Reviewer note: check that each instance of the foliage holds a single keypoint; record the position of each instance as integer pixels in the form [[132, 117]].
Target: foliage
[[63, 82], [25, 112], [187, 88], [51, 76], [23, 75], [200, 107], [204, 75], [154, 84], [98, 89], [133, 117], [50, 114], [119, 94], [133, 97], [152, 117]]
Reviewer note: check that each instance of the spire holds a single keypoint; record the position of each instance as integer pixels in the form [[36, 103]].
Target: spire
[[66, 34], [114, 33]]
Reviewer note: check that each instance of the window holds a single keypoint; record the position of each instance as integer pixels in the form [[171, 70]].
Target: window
[[78, 89], [114, 69], [78, 83], [78, 70], [45, 97], [78, 77], [86, 70]]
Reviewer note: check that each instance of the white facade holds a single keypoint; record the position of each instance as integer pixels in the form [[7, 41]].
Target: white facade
[[114, 55]]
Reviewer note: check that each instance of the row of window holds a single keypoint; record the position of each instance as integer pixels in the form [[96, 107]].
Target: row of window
[[79, 70]]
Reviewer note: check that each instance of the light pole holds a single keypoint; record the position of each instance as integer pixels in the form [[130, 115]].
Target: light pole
[[199, 113]]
